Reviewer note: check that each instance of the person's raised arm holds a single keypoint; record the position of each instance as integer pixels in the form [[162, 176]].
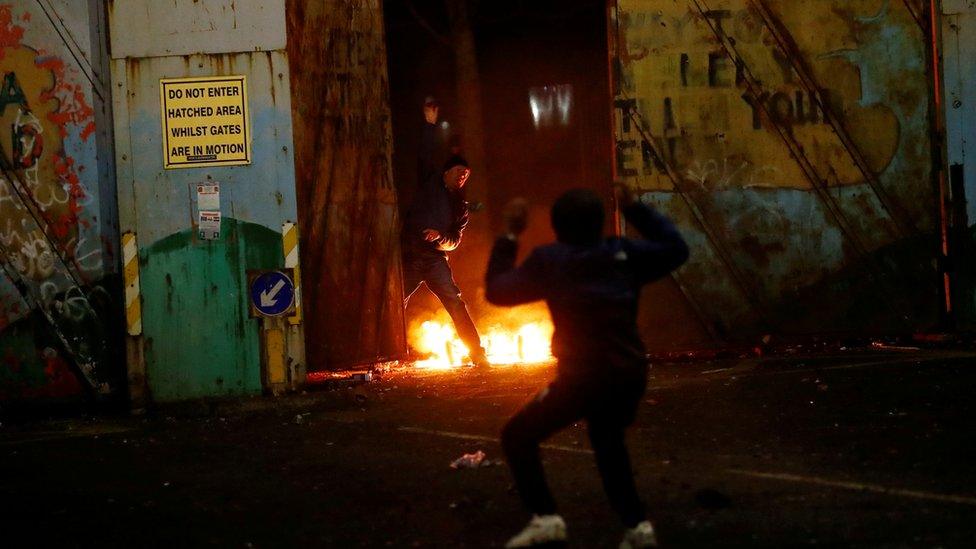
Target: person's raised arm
[[428, 143], [662, 248], [506, 284]]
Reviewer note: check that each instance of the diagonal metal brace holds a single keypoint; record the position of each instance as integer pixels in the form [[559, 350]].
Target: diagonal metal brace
[[787, 45], [738, 277], [820, 187]]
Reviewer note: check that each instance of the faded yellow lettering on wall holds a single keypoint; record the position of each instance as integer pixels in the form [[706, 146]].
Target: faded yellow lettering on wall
[[205, 122]]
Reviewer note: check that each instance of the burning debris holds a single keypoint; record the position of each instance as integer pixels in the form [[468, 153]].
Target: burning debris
[[522, 337]]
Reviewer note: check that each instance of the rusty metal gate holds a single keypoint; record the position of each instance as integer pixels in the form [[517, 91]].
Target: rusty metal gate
[[346, 199], [791, 140]]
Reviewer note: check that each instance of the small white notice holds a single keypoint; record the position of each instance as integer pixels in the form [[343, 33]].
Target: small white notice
[[208, 225], [208, 197]]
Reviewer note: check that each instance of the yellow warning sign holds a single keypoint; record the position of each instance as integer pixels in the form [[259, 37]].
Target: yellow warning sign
[[205, 121]]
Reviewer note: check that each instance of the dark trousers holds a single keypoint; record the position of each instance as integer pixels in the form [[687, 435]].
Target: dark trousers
[[608, 406], [432, 269]]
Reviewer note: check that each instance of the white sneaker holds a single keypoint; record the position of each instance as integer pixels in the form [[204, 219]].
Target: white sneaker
[[639, 536], [541, 529]]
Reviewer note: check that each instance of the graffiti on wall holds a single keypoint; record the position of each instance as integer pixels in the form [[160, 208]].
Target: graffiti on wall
[[790, 139], [673, 69], [49, 233]]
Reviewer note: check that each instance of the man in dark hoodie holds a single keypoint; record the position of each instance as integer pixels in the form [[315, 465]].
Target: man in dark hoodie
[[591, 286], [433, 226]]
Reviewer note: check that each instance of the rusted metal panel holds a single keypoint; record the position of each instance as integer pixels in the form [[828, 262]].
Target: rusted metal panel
[[958, 23], [58, 235], [348, 205], [187, 27], [791, 141]]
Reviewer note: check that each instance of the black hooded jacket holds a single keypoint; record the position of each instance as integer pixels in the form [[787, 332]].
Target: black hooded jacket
[[592, 290], [434, 206]]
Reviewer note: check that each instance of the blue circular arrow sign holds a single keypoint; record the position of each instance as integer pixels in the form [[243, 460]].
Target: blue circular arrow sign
[[272, 293]]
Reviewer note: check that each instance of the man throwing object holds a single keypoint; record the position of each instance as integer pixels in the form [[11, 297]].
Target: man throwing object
[[591, 285], [432, 227]]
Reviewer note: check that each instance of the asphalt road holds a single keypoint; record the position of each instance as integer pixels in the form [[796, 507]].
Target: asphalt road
[[865, 450]]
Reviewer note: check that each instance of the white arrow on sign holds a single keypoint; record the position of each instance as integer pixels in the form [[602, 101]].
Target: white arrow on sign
[[268, 297]]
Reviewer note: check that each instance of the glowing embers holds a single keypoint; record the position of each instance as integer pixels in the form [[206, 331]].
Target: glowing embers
[[519, 336], [551, 105]]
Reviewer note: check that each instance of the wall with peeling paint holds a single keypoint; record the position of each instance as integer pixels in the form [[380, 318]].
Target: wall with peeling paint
[[791, 142], [58, 220], [958, 25], [197, 338]]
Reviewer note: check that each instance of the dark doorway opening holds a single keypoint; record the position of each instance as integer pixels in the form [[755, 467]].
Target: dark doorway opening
[[545, 105]]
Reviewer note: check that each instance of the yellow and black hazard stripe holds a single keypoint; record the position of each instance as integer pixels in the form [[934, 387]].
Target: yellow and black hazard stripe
[[289, 241], [130, 273]]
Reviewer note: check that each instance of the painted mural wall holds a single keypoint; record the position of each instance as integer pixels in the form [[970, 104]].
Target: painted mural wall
[[791, 142], [58, 221]]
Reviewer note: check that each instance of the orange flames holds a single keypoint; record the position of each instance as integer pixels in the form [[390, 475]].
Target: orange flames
[[521, 336]]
